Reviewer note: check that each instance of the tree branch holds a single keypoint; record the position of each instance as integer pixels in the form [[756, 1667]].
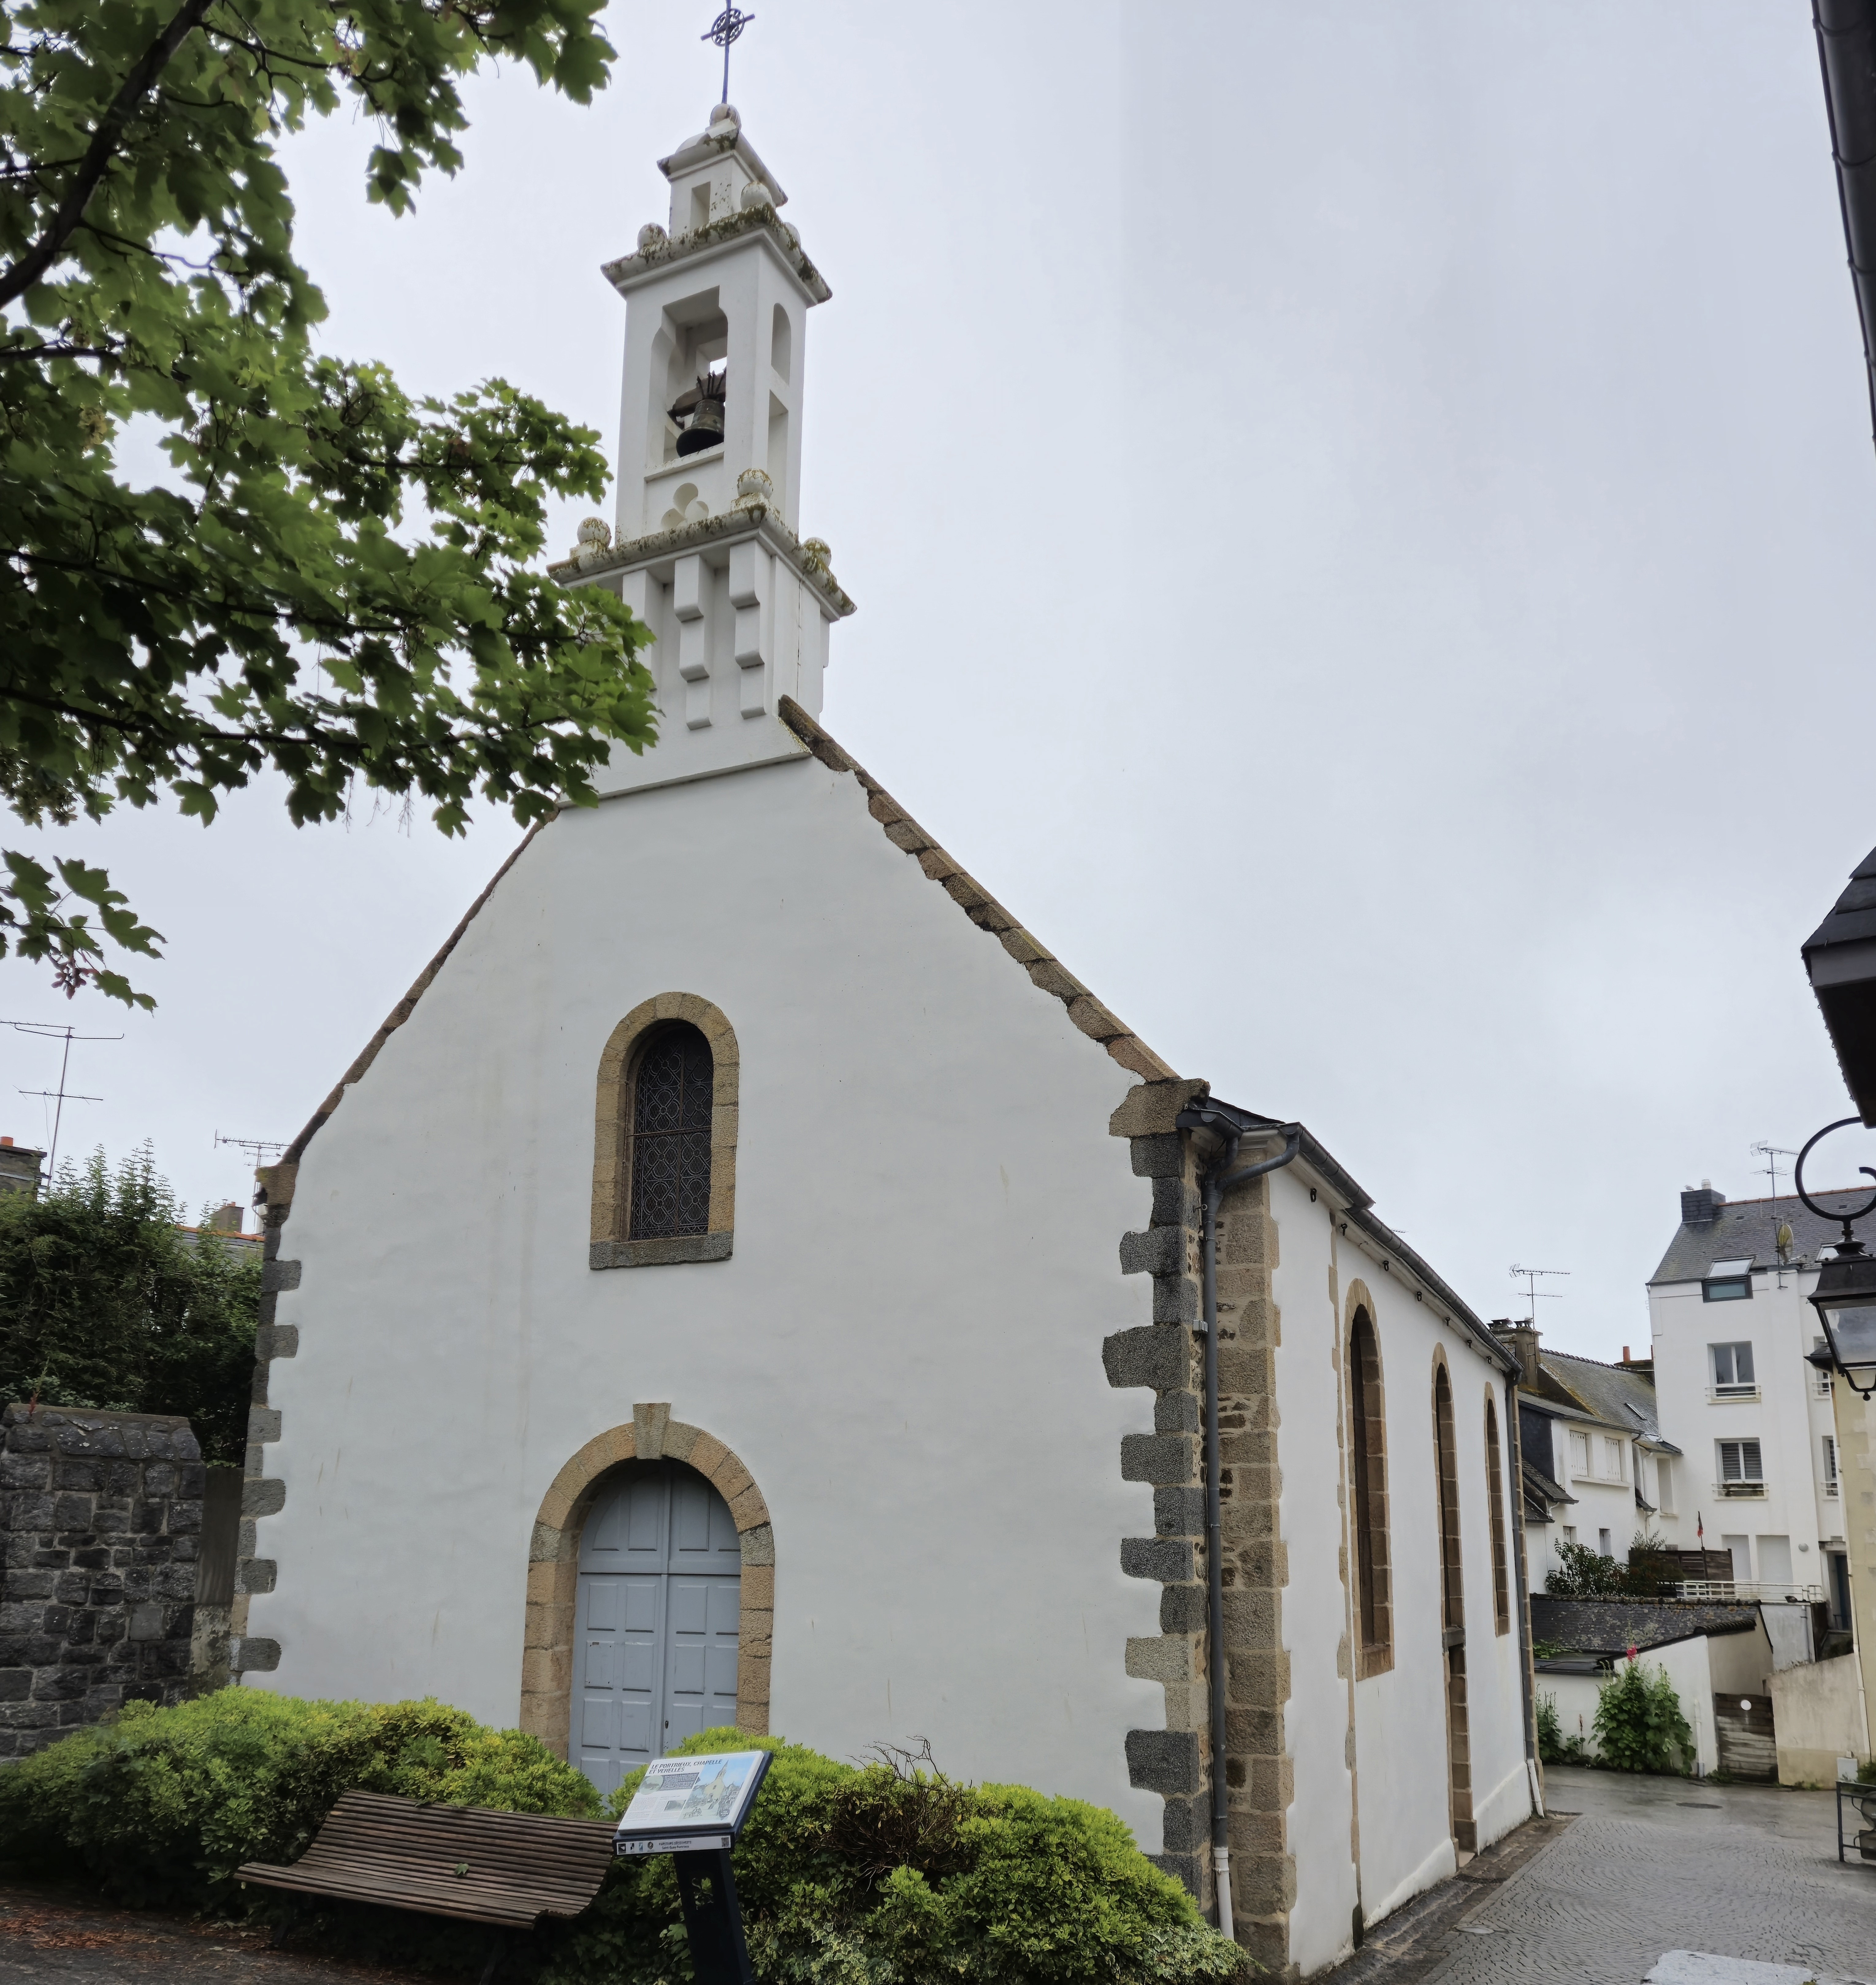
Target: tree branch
[[104, 140]]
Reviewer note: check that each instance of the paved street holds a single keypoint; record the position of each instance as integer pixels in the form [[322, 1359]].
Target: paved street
[[1654, 1864]]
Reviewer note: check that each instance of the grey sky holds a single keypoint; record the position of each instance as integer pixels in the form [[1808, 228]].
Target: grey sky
[[1362, 516]]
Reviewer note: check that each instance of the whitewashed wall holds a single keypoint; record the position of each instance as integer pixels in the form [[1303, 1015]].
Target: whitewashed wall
[[905, 1349], [1400, 1777]]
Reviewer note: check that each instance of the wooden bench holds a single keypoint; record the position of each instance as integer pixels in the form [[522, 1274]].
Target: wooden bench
[[507, 1869]]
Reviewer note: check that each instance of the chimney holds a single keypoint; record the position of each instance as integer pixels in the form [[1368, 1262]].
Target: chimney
[[226, 1219], [1701, 1208], [1625, 1354], [1519, 1337], [6, 1140]]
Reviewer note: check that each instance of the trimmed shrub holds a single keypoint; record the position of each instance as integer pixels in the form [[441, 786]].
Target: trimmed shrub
[[1638, 1723], [886, 1874], [159, 1806], [998, 1884]]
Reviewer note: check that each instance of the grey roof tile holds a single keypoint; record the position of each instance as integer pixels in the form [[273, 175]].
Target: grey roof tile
[[1613, 1626], [1747, 1229]]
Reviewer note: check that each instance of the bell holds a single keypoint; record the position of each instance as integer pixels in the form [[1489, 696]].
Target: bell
[[705, 430]]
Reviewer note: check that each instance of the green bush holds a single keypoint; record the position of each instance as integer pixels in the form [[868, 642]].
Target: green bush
[[1583, 1573], [160, 1805], [1638, 1723], [888, 1874], [1553, 1747], [999, 1884]]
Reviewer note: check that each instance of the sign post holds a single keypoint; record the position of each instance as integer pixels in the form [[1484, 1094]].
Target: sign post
[[694, 1807]]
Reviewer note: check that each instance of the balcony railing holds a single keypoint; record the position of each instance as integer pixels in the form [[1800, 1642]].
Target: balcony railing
[[1729, 1489], [1726, 1396], [1749, 1592]]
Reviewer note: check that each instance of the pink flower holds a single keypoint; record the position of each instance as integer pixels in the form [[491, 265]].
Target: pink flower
[[1631, 1653]]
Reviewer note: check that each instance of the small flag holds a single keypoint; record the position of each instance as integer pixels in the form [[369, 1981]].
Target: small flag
[[1699, 1529]]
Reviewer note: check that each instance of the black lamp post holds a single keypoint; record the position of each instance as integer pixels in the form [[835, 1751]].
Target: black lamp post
[[1845, 1296]]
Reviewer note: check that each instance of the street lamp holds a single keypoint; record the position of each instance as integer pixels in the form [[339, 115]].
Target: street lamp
[[1845, 1296]]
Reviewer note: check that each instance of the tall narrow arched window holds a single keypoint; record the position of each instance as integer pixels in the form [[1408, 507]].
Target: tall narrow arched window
[[669, 1164], [664, 1137], [1368, 1474], [1452, 1595], [1494, 1491]]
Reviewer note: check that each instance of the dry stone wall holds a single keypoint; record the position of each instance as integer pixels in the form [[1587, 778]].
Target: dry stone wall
[[101, 1519]]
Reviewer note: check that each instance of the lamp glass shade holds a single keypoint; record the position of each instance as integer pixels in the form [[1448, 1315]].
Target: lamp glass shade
[[1845, 1299]]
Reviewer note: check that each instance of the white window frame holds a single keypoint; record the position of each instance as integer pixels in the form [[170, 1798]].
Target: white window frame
[[1726, 1357], [1830, 1465], [1740, 1481]]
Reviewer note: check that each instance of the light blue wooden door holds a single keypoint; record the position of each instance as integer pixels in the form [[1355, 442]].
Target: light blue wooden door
[[660, 1579]]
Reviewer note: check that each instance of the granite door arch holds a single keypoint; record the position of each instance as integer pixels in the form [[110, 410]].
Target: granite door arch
[[659, 1615]]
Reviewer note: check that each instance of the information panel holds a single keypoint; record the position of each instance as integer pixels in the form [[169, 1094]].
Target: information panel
[[686, 1806]]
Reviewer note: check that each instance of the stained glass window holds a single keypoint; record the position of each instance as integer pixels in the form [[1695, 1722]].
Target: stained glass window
[[671, 1137]]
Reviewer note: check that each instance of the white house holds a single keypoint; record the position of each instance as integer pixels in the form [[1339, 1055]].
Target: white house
[[751, 1280], [1733, 1330], [1598, 1471]]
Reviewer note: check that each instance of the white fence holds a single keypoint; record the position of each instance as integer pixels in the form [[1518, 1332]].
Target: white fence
[[1747, 1592]]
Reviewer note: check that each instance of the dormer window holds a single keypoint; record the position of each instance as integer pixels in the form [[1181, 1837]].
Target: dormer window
[[1727, 1281]]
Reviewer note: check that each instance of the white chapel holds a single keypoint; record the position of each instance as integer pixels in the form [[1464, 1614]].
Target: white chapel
[[749, 1280]]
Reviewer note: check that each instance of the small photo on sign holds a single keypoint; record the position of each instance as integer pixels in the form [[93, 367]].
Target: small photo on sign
[[693, 1791]]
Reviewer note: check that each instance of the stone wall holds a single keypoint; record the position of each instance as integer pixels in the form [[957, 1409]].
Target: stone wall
[[100, 1520]]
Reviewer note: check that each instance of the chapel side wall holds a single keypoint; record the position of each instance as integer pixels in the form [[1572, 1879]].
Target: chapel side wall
[[1312, 1503], [1406, 1845], [452, 1348]]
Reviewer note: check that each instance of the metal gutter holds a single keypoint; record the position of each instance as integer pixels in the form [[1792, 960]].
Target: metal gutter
[[1846, 31]]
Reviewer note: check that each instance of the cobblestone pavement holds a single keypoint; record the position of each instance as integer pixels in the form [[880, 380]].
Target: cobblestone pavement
[[56, 1937], [1654, 1864]]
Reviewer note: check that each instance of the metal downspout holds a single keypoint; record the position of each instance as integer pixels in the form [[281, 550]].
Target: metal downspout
[[1217, 1183], [1514, 1447]]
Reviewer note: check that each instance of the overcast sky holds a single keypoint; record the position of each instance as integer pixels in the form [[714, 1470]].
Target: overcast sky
[[1362, 519]]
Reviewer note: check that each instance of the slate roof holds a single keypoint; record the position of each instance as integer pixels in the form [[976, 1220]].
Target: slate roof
[[1613, 1626], [1613, 1395], [1747, 1230]]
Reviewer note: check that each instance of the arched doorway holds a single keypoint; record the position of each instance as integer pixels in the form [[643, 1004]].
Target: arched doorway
[[660, 1609]]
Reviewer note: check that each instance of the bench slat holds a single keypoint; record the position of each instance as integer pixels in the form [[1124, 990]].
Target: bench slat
[[374, 1847]]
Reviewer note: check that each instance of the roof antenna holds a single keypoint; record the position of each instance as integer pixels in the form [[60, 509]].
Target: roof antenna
[[47, 1032], [1771, 1153], [1532, 1291]]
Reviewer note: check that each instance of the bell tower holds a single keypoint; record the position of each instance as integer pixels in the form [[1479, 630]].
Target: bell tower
[[706, 547]]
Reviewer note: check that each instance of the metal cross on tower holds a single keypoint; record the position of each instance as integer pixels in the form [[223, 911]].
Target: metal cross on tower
[[723, 31]]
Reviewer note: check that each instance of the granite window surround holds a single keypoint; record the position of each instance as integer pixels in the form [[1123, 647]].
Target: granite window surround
[[611, 1243]]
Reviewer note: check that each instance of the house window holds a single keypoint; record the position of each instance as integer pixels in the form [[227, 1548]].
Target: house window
[[1613, 1468], [1570, 1533], [1604, 1544], [671, 1136], [1495, 1491], [1664, 1484], [1732, 1377], [1727, 1281], [1740, 1464], [1820, 1374], [1579, 1454], [1830, 1464], [1367, 1451]]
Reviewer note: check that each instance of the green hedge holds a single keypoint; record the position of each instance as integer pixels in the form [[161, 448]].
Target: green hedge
[[161, 1805], [884, 1874]]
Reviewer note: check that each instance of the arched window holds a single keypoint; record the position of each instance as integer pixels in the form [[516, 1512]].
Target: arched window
[[664, 1137], [1495, 1491], [1368, 1451], [669, 1164]]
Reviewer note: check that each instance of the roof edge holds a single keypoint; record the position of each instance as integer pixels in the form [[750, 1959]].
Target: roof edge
[[277, 1179], [1046, 972]]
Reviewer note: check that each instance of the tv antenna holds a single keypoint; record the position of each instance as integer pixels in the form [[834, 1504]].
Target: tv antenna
[[1772, 1154], [1533, 1292], [46, 1031], [256, 1148]]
